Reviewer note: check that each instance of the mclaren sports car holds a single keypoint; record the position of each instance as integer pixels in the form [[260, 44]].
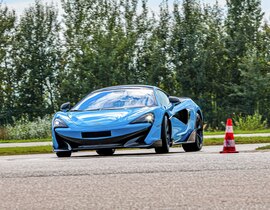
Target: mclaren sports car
[[129, 116]]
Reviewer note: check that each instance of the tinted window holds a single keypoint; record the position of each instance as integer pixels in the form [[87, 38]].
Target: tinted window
[[117, 99], [163, 98]]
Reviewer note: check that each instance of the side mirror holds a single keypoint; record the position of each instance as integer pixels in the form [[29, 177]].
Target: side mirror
[[65, 107], [174, 100]]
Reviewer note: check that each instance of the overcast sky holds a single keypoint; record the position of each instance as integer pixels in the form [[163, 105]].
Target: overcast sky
[[19, 5]]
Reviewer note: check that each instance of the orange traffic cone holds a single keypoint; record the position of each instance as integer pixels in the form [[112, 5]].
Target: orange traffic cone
[[229, 144]]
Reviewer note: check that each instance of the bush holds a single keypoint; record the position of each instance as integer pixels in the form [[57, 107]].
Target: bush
[[250, 122], [24, 129]]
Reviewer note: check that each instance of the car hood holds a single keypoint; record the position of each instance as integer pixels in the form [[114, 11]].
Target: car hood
[[106, 117]]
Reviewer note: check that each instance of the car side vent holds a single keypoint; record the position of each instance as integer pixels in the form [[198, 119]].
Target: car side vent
[[96, 134]]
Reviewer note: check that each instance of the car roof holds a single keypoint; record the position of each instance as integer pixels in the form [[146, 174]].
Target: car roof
[[126, 87]]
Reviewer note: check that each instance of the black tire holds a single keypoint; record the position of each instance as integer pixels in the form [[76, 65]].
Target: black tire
[[197, 145], [63, 154], [165, 137], [105, 152]]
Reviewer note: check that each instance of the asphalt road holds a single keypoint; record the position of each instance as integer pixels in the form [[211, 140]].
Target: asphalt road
[[138, 179]]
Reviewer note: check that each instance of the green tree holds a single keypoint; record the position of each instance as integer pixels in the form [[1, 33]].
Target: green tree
[[7, 92], [255, 73], [160, 71], [187, 42], [37, 59], [102, 38], [213, 56], [218, 58], [89, 43], [242, 26]]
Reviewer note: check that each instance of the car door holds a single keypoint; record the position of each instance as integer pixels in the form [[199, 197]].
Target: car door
[[180, 117]]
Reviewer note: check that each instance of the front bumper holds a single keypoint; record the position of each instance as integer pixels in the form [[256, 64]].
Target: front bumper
[[130, 140]]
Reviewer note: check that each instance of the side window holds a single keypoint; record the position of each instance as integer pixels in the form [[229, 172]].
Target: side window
[[163, 98]]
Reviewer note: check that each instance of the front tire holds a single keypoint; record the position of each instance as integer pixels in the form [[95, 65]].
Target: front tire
[[105, 152], [63, 154], [165, 137], [197, 145]]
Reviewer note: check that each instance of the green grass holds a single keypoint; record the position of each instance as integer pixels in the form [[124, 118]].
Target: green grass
[[238, 140], [25, 150], [24, 140], [236, 132], [264, 148]]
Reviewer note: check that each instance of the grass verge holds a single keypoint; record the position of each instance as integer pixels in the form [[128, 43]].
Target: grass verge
[[236, 132], [264, 148], [238, 140], [25, 150], [25, 140]]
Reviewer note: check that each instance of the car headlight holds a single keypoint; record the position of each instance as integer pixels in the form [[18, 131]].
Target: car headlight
[[147, 118], [58, 123]]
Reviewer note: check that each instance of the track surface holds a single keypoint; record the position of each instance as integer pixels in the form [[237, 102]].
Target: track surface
[[137, 179]]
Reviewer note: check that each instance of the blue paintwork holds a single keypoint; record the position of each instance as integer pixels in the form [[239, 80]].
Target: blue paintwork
[[118, 121], [181, 131]]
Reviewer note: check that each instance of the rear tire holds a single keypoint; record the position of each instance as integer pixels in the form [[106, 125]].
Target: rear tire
[[63, 154], [165, 137], [197, 145], [105, 152]]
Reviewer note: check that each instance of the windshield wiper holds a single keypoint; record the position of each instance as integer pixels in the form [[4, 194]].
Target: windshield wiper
[[93, 109], [76, 110], [84, 110]]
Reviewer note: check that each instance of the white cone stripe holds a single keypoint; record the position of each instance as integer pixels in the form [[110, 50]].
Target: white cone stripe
[[229, 143], [229, 129]]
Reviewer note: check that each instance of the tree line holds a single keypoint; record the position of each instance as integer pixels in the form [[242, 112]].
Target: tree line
[[220, 57]]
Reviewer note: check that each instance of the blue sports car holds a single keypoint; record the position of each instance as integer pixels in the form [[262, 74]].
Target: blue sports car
[[128, 116]]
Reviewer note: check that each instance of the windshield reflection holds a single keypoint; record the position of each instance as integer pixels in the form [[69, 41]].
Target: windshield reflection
[[117, 99]]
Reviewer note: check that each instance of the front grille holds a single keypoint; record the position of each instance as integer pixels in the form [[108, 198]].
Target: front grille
[[137, 139], [96, 134]]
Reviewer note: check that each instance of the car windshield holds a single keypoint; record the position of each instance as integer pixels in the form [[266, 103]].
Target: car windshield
[[117, 99]]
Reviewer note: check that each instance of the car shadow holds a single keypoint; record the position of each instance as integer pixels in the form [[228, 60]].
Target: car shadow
[[137, 154]]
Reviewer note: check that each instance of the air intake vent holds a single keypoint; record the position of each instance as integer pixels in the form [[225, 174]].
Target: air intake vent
[[96, 134]]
